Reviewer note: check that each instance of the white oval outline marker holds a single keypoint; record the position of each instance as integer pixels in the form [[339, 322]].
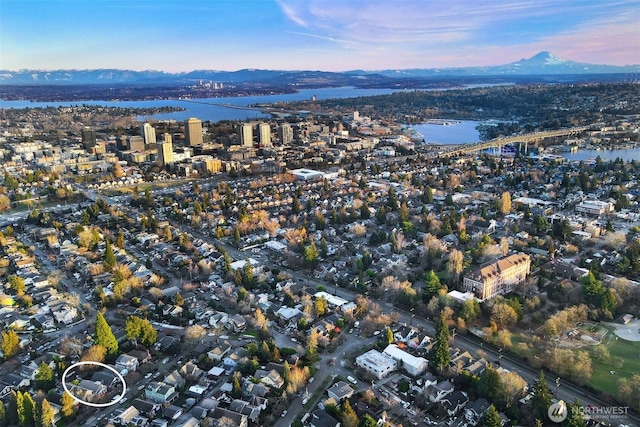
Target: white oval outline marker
[[95, 405]]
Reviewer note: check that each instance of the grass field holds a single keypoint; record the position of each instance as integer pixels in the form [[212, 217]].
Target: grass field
[[624, 360]]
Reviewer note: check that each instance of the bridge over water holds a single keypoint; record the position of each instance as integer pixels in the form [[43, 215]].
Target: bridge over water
[[516, 139]]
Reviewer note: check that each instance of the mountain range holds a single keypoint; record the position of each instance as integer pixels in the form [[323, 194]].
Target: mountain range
[[541, 64]]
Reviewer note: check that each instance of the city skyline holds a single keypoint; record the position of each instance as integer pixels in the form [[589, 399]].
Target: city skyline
[[325, 35]]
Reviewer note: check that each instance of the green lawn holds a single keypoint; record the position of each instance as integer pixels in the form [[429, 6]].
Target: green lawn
[[624, 360]]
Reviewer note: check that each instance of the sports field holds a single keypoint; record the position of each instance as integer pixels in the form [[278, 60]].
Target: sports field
[[623, 362]]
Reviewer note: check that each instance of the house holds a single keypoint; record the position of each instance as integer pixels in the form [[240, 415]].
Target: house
[[269, 378], [320, 418], [233, 418], [245, 408], [143, 356], [88, 390], [149, 409], [129, 416], [439, 391], [215, 373], [340, 391], [190, 371], [174, 379], [219, 351], [475, 410], [454, 402], [160, 392], [171, 412], [124, 361], [477, 367], [105, 377], [236, 323]]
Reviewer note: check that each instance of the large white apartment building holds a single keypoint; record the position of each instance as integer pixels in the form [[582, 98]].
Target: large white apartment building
[[377, 364], [499, 277]]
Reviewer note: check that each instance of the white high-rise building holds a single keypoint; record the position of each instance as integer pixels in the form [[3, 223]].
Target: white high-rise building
[[148, 132], [264, 134], [245, 134], [286, 133]]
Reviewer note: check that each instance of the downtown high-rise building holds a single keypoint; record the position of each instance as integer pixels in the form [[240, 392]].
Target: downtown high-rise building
[[286, 134], [264, 134], [88, 138], [193, 132], [245, 134], [148, 132], [165, 151]]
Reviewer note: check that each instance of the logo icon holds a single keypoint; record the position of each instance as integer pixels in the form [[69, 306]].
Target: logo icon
[[558, 412]]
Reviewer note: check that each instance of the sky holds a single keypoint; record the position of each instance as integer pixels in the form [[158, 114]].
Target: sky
[[329, 35]]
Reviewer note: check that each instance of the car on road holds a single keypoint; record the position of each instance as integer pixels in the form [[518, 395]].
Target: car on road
[[352, 380], [305, 400], [284, 413], [311, 379]]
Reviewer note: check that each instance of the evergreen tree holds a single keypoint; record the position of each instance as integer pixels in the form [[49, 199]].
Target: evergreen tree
[[491, 418], [3, 415], [68, 408], [431, 286], [46, 415], [236, 390], [575, 418], [20, 411], [541, 398], [12, 409], [109, 257], [440, 356], [428, 195], [489, 385], [104, 336]]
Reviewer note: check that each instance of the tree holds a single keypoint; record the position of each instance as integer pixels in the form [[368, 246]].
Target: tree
[[455, 264], [348, 415], [45, 377], [504, 315], [311, 255], [541, 223], [286, 373], [489, 384], [505, 203], [95, 353], [367, 421], [3, 415], [141, 329], [120, 239], [470, 310], [513, 387], [68, 404], [575, 416], [10, 344], [236, 390], [46, 416], [17, 284], [440, 356], [431, 286], [193, 334], [389, 335], [541, 399], [109, 257], [312, 342], [320, 306], [104, 336], [491, 418], [26, 409]]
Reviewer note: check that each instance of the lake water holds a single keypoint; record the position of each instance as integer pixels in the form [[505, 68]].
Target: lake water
[[211, 108], [459, 132], [626, 154]]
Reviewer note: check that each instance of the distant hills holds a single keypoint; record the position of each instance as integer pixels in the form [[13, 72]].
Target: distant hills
[[542, 64]]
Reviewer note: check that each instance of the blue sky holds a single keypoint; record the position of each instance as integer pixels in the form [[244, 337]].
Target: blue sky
[[331, 35]]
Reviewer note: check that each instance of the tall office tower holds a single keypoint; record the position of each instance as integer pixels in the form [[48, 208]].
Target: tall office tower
[[193, 131], [165, 151], [136, 143], [286, 133], [245, 134], [264, 134], [166, 137], [148, 132], [88, 138], [122, 143]]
